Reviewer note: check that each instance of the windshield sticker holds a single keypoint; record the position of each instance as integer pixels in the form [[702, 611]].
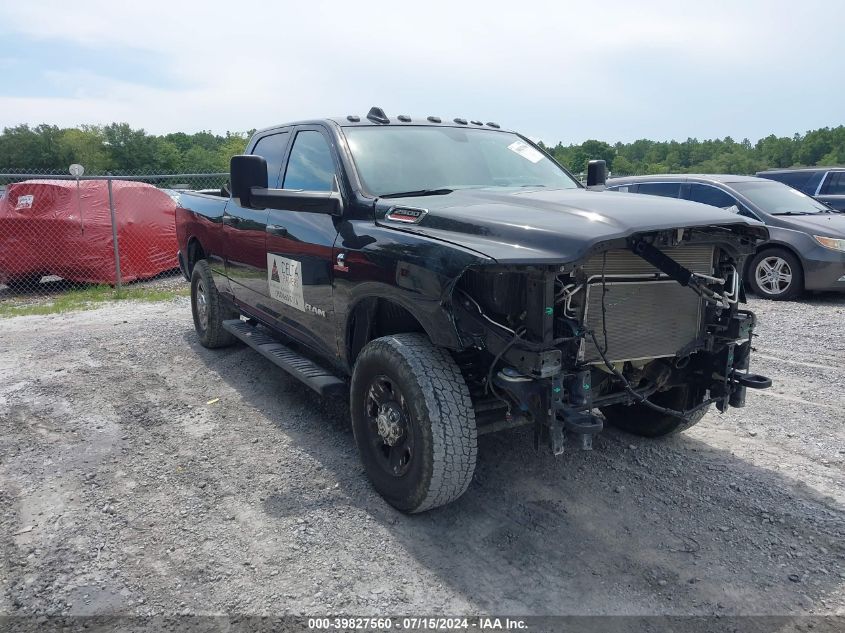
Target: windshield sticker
[[24, 202], [284, 277], [526, 151]]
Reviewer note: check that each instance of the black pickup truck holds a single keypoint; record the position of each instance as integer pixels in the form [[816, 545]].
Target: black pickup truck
[[454, 280]]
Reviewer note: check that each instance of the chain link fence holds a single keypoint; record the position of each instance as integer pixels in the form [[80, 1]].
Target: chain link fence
[[60, 233]]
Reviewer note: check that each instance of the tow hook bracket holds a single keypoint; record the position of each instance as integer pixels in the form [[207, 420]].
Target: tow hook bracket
[[754, 381], [584, 425], [557, 439]]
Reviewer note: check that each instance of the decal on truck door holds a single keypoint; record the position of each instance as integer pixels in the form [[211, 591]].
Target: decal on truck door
[[284, 277]]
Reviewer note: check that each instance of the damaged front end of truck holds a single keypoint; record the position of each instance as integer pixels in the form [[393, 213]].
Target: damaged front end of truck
[[649, 324]]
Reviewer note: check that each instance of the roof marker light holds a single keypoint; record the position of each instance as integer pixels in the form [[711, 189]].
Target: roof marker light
[[377, 115], [476, 122], [404, 118], [460, 121], [354, 118], [434, 119], [495, 125]]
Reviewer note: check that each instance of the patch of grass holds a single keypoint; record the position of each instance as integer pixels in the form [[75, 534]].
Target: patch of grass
[[86, 299]]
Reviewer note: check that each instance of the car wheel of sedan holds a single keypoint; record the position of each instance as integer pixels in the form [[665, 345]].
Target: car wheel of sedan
[[209, 309], [413, 421], [776, 274]]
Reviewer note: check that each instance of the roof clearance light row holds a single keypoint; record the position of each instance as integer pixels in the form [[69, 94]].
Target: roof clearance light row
[[377, 115]]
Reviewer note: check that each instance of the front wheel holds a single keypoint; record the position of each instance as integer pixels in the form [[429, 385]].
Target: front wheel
[[642, 420], [776, 274], [209, 309], [413, 421]]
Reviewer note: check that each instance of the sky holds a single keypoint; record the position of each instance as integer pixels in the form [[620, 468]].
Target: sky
[[556, 71]]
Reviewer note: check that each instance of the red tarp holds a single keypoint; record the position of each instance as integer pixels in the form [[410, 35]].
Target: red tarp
[[48, 227]]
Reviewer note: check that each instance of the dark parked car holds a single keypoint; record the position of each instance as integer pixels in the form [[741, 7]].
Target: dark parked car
[[454, 280], [806, 248], [826, 184]]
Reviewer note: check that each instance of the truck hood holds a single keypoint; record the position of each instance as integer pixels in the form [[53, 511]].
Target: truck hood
[[551, 225]]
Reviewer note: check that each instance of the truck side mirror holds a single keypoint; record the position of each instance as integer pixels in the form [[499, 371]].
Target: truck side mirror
[[247, 171], [596, 173]]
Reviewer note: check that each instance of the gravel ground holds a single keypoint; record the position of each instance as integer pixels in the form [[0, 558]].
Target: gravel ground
[[142, 474]]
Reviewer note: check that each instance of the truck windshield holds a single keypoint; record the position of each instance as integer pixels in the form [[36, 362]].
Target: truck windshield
[[779, 199], [392, 160]]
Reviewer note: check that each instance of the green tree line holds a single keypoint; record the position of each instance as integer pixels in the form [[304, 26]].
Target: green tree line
[[119, 148], [116, 148], [825, 146]]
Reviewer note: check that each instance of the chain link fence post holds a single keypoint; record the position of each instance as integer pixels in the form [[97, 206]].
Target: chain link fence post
[[114, 236]]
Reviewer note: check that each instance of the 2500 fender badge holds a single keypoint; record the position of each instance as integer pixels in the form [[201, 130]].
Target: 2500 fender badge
[[408, 215]]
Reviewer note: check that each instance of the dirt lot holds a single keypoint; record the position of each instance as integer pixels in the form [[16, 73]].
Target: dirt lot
[[143, 474]]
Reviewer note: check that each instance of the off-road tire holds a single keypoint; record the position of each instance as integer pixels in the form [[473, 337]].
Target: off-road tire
[[639, 419], [210, 330], [441, 418], [796, 286]]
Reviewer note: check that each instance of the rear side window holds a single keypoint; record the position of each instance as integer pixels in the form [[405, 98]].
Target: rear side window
[[801, 180], [665, 189], [310, 166], [705, 194], [272, 148], [834, 185]]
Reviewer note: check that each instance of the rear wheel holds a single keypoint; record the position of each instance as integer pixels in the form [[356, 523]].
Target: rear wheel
[[642, 420], [209, 309], [25, 283], [776, 274], [413, 421]]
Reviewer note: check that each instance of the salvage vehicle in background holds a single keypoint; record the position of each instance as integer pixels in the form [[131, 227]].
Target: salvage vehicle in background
[[455, 280], [806, 245], [64, 229], [825, 184]]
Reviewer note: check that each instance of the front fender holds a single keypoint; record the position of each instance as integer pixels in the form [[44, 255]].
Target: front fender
[[413, 271]]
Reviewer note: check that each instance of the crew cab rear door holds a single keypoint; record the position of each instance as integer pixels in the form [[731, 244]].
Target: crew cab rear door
[[299, 245]]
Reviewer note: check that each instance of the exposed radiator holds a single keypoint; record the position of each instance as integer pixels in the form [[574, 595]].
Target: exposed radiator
[[644, 319], [696, 257]]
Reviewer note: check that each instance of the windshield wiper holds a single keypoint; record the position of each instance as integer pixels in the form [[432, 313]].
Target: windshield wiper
[[793, 213], [420, 192]]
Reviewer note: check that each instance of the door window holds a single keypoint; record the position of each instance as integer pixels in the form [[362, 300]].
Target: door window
[[705, 194], [666, 189], [272, 148], [835, 184], [310, 166]]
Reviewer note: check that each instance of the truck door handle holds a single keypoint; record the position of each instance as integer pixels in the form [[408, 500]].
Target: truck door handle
[[231, 220], [274, 229]]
